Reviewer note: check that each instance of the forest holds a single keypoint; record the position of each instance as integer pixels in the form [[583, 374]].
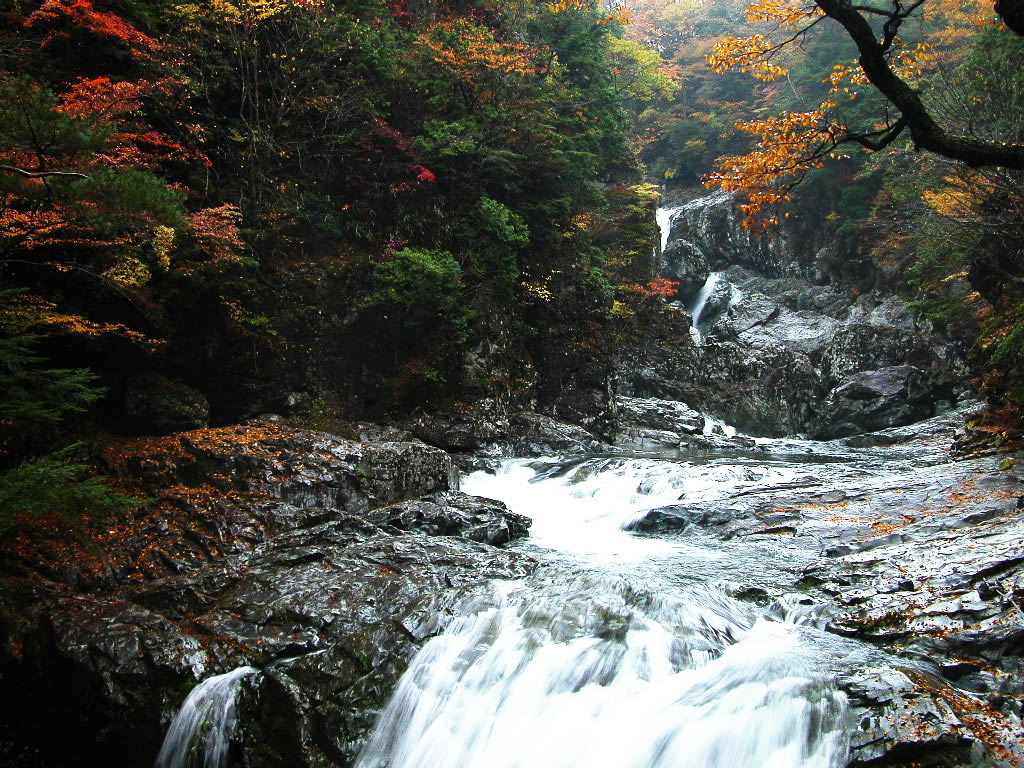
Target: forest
[[276, 274]]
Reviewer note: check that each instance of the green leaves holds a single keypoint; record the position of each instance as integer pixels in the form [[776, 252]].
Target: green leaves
[[506, 225], [420, 283], [37, 398], [56, 485]]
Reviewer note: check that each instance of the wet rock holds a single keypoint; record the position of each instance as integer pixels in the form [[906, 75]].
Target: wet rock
[[302, 590], [154, 404], [315, 710], [678, 516], [806, 332], [534, 434], [751, 312], [266, 543], [682, 262], [786, 334], [874, 400], [716, 303], [470, 428], [454, 514], [899, 724], [378, 433], [718, 442], [665, 415]]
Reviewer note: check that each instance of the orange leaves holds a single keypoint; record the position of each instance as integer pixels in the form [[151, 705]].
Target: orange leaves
[[63, 17], [788, 146], [749, 54], [77, 325], [912, 62], [100, 98], [108, 103], [216, 232], [782, 14], [660, 286], [468, 49]]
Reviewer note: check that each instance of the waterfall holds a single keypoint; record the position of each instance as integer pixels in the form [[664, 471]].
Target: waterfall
[[691, 683], [200, 733], [664, 217], [701, 299], [609, 663]]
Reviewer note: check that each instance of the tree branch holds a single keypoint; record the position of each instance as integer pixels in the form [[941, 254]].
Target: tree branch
[[42, 174], [1012, 14], [925, 132], [877, 140]]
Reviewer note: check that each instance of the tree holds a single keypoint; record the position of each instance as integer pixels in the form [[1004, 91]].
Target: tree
[[791, 144]]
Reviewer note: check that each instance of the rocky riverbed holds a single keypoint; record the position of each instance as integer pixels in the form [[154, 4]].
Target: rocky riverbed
[[326, 564]]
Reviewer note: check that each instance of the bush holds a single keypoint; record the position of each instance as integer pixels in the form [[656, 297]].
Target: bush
[[56, 485], [425, 285]]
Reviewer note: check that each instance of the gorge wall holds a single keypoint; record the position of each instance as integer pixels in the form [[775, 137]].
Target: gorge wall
[[788, 339]]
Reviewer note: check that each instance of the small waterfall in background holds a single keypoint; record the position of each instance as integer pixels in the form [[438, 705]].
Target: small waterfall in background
[[701, 299], [201, 731], [717, 289], [664, 217]]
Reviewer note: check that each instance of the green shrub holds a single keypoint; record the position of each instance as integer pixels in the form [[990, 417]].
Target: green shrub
[[56, 484]]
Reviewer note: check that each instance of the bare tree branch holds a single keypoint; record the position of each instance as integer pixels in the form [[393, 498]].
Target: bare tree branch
[[42, 174]]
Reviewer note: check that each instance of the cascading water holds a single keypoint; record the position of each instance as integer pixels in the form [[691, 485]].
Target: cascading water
[[664, 218], [622, 651], [200, 733]]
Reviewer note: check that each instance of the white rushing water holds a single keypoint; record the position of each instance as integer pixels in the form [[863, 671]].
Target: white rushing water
[[590, 666], [664, 218], [200, 733], [700, 301]]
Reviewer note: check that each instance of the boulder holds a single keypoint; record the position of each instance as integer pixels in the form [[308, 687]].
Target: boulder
[[451, 513], [873, 400], [155, 404], [665, 415], [683, 263], [534, 434], [470, 428]]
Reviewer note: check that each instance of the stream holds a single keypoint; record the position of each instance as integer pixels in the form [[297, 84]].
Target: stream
[[626, 649]]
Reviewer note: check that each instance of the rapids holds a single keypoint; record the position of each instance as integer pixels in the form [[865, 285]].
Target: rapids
[[627, 650]]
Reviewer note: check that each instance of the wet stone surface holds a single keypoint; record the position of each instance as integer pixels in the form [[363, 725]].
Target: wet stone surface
[[262, 543]]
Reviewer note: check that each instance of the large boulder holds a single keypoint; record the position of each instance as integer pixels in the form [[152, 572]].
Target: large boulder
[[665, 415], [874, 400], [452, 513], [154, 404], [468, 428], [534, 434], [683, 263]]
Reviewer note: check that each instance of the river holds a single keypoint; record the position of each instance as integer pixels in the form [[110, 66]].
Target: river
[[632, 650]]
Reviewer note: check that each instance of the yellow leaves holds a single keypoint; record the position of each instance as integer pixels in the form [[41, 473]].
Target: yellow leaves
[[747, 54], [163, 244], [788, 146], [128, 272], [912, 62], [959, 198], [843, 76], [619, 16], [782, 14], [226, 11], [243, 12]]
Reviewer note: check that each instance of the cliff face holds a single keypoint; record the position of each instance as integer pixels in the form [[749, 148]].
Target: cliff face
[[786, 341]]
